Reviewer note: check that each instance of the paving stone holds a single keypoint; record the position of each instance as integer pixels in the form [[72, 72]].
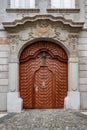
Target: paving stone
[[44, 119]]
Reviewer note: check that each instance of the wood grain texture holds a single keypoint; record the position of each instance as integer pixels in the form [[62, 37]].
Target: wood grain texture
[[43, 79]]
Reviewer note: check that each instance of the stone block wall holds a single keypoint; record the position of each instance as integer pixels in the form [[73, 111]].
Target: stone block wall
[[85, 7], [4, 50], [82, 47], [4, 53]]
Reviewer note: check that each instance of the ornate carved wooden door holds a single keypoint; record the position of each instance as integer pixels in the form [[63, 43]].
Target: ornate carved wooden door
[[43, 84], [43, 75]]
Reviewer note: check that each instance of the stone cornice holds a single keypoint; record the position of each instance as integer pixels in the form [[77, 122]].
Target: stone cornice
[[60, 18], [63, 10], [17, 10]]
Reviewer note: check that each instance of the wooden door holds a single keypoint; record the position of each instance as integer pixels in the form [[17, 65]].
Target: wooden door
[[43, 85], [43, 75]]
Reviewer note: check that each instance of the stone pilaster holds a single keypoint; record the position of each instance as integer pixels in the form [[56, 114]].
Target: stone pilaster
[[14, 102], [72, 101]]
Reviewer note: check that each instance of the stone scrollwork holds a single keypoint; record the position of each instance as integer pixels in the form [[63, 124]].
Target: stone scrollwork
[[31, 35], [73, 41], [13, 38], [61, 35], [14, 41], [43, 30], [26, 35]]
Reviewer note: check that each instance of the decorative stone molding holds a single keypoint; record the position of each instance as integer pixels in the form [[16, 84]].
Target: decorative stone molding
[[22, 11], [43, 30], [73, 41], [47, 27], [69, 41], [63, 11], [73, 60], [43, 17], [56, 29], [13, 40]]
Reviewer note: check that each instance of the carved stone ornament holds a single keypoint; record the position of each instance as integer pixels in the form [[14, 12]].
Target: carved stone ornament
[[14, 41], [43, 30], [73, 41], [61, 35], [26, 34]]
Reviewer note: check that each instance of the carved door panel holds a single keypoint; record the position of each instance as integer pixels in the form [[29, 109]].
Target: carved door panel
[[43, 85], [43, 76]]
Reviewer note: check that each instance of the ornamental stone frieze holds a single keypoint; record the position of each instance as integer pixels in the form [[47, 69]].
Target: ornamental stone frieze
[[13, 41], [57, 34], [59, 30], [28, 30]]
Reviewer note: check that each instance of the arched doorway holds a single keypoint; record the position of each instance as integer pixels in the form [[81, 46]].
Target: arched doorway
[[43, 75]]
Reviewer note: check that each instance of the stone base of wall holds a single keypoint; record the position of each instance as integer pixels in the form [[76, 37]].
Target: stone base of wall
[[72, 101], [3, 101], [14, 102], [84, 100]]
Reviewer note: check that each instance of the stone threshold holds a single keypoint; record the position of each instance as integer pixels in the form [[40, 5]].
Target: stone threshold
[[85, 113], [3, 114], [6, 116]]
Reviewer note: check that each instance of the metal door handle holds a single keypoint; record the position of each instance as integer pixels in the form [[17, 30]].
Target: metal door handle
[[36, 88]]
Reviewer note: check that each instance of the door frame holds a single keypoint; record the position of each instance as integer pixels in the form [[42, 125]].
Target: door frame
[[57, 55], [72, 101]]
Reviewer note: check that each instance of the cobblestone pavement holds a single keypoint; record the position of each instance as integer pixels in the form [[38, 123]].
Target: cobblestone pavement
[[44, 119]]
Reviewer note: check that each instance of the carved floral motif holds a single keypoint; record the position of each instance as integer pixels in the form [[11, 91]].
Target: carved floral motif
[[61, 35], [43, 30], [14, 41], [73, 41]]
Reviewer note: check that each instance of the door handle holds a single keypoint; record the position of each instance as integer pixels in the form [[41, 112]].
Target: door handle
[[43, 84], [36, 89]]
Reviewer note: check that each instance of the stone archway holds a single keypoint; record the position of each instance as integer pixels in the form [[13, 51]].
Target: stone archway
[[43, 75], [55, 29]]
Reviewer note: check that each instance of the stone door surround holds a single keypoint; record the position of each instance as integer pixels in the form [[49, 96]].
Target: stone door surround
[[28, 30]]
